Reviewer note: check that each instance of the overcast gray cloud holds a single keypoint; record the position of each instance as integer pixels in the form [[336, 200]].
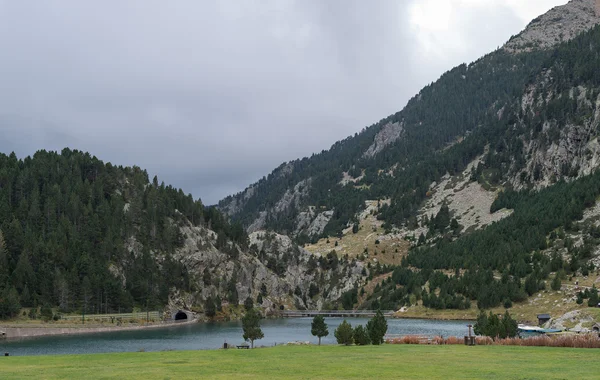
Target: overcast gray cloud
[[212, 95]]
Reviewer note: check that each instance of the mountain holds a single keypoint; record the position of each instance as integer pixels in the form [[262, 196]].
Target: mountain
[[486, 173], [84, 236], [442, 130], [479, 192]]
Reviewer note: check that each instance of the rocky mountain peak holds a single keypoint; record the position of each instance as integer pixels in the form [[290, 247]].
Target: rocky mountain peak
[[560, 24]]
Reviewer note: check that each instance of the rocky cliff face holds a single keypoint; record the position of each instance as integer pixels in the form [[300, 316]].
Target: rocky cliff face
[[283, 274], [386, 136], [562, 149], [560, 24]]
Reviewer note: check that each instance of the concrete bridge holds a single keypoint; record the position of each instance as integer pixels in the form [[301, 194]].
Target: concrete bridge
[[334, 313]]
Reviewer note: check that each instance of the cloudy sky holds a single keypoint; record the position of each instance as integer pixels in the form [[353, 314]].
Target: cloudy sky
[[212, 95]]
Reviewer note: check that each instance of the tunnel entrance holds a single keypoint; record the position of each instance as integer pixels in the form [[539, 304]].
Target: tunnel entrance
[[181, 316]]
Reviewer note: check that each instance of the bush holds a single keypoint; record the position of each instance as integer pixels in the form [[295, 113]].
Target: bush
[[361, 338], [46, 313], [32, 313], [556, 284], [343, 334], [494, 327]]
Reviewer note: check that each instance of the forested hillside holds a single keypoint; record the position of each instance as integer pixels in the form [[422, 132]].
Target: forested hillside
[[440, 131], [81, 235], [520, 126], [66, 220], [462, 100]]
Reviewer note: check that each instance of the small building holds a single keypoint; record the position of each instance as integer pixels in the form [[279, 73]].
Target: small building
[[543, 318]]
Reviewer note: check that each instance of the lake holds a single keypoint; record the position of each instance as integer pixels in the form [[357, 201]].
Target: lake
[[198, 336]]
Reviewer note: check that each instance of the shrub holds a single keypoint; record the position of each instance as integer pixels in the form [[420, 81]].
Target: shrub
[[556, 284], [46, 313]]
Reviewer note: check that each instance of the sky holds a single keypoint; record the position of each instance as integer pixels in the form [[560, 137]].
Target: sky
[[213, 95]]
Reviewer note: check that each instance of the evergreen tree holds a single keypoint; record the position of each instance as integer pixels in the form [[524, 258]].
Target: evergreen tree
[[343, 333], [361, 336], [209, 307], [251, 326], [510, 325], [494, 327], [9, 303], [556, 284], [248, 304], [3, 262], [377, 328], [319, 327]]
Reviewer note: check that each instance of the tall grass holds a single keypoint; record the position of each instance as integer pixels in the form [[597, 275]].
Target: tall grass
[[574, 341], [571, 340]]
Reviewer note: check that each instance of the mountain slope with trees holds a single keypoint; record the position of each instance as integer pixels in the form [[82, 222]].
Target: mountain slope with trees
[[441, 130], [84, 236], [523, 121]]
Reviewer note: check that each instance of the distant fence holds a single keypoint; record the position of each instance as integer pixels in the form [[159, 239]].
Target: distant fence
[[154, 315], [334, 313]]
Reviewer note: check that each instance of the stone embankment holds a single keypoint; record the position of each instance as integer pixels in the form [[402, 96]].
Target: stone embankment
[[29, 332]]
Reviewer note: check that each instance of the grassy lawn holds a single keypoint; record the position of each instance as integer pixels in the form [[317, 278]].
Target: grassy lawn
[[308, 362]]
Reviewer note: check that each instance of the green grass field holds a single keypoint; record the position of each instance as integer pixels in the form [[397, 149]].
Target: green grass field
[[310, 362]]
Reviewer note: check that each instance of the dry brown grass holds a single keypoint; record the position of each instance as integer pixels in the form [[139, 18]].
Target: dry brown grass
[[570, 341], [390, 249], [409, 339]]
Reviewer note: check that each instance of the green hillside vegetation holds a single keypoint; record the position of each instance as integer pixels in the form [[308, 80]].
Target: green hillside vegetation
[[473, 110], [465, 99], [66, 219], [501, 264], [446, 126], [327, 362]]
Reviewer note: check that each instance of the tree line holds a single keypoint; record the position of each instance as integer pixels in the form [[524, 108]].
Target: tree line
[[79, 234]]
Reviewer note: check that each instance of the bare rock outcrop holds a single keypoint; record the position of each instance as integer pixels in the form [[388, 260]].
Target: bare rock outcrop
[[386, 136], [560, 24], [273, 267]]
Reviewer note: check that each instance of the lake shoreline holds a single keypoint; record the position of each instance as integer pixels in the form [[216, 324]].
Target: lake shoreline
[[203, 336], [16, 332], [24, 331]]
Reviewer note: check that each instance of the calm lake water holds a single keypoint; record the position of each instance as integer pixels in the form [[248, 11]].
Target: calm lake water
[[200, 336]]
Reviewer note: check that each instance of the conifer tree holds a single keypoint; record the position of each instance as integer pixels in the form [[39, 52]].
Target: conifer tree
[[343, 333], [251, 326], [377, 328], [319, 327]]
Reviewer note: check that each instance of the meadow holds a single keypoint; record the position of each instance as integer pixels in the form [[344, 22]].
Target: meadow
[[324, 362]]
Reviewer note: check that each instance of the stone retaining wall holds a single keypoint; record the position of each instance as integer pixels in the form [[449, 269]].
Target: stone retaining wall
[[25, 332]]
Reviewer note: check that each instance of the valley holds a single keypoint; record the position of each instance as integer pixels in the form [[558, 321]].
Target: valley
[[481, 194]]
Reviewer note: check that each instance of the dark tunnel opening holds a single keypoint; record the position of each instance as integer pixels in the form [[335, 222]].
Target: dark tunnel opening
[[180, 316]]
